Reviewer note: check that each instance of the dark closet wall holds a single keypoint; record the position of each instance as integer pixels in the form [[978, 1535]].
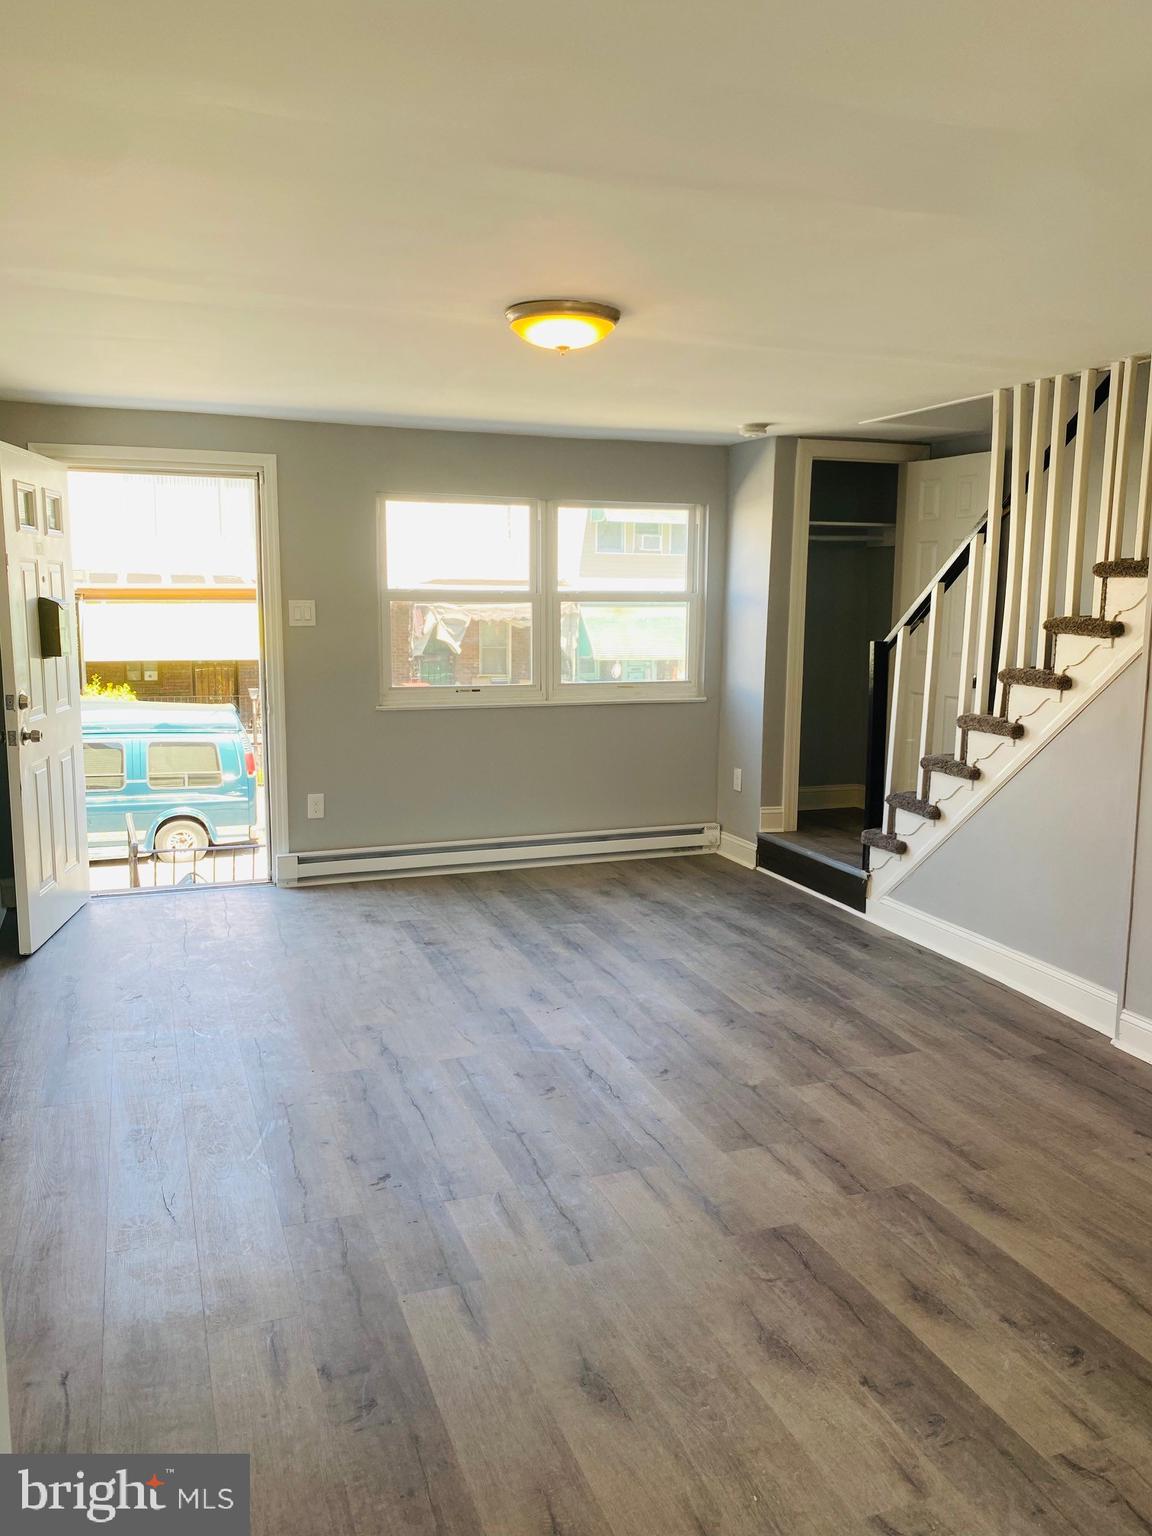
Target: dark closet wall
[[849, 604]]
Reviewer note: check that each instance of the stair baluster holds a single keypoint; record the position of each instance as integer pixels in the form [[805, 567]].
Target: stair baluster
[[986, 631], [1012, 617]]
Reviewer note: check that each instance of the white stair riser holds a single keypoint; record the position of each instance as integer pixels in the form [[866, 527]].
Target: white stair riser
[[1091, 665], [1026, 701], [1124, 592]]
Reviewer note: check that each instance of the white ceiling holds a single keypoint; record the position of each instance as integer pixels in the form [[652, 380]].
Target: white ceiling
[[814, 213]]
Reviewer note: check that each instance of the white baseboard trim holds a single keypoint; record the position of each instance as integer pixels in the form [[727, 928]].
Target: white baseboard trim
[[771, 818], [738, 849], [1134, 1035], [474, 854], [1086, 1001], [831, 797]]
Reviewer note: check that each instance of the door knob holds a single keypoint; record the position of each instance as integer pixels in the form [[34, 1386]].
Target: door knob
[[26, 736]]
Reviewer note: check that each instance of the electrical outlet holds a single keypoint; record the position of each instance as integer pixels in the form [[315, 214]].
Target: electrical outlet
[[315, 807], [737, 778]]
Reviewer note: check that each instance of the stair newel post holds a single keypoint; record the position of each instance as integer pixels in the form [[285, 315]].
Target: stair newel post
[[931, 670], [1108, 477], [879, 665], [1033, 527], [897, 689], [986, 622], [965, 700], [1144, 497], [1078, 517], [1053, 510], [1018, 481]]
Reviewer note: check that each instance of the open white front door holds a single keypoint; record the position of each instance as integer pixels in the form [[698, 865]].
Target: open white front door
[[41, 699]]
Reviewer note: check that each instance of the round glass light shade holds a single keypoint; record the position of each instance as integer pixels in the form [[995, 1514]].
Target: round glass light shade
[[562, 325]]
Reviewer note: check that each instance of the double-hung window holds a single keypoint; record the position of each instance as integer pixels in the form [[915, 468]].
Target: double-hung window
[[462, 605], [513, 602], [627, 623]]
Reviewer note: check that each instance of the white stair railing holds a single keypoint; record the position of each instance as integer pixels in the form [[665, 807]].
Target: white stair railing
[[1017, 580]]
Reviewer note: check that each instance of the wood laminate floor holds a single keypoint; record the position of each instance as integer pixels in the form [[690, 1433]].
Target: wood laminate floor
[[835, 833], [640, 1199]]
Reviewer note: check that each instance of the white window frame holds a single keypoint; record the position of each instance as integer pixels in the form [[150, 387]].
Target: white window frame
[[466, 696], [692, 595], [545, 595]]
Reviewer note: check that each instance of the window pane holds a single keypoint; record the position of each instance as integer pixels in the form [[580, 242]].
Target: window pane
[[624, 642], [623, 549], [103, 765], [183, 764], [457, 544], [460, 645]]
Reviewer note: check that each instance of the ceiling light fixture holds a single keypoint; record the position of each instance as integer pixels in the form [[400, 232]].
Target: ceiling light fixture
[[562, 325], [756, 429]]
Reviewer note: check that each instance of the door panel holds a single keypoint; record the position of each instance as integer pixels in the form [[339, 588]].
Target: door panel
[[26, 641], [60, 673], [41, 701], [941, 501]]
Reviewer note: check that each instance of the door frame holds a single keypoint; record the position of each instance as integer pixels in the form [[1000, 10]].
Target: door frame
[[808, 451], [260, 467]]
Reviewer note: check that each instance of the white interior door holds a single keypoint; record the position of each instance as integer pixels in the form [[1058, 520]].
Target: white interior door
[[41, 700], [941, 501]]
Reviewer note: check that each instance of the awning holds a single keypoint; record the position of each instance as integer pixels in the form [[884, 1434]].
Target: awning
[[449, 623], [642, 632], [183, 631]]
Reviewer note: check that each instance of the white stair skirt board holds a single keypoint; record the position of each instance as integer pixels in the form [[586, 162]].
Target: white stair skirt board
[[738, 849], [445, 858], [831, 797], [1134, 1034], [1085, 1001], [1093, 664], [771, 818]]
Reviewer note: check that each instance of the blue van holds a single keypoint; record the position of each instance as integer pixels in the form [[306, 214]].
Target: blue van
[[185, 773]]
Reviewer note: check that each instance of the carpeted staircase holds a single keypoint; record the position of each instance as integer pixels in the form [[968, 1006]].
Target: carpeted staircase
[[1050, 678]]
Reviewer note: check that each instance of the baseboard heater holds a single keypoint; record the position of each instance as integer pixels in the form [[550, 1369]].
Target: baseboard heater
[[494, 853]]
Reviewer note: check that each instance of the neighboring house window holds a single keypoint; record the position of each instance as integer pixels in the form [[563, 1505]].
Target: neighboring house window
[[514, 602], [496, 650], [103, 765], [183, 765], [609, 538]]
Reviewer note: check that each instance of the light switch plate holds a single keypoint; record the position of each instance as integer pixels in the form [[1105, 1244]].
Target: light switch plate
[[301, 612]]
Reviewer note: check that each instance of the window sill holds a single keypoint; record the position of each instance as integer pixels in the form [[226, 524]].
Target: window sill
[[464, 708]]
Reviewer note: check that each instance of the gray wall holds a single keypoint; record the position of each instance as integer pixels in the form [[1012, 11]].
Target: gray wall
[[393, 777], [1138, 993], [755, 628], [1042, 867]]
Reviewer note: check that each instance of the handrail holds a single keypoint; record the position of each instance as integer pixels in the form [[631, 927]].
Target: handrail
[[947, 574], [980, 555]]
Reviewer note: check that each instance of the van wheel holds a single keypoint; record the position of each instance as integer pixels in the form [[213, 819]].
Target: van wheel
[[182, 836]]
